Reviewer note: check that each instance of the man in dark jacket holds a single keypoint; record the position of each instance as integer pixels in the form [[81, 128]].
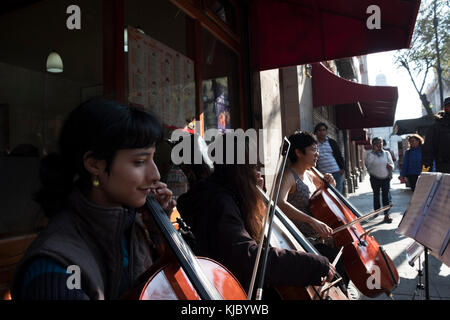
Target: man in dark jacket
[[330, 157], [437, 140]]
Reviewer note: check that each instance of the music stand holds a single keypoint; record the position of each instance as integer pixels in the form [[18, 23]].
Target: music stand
[[414, 252], [427, 220]]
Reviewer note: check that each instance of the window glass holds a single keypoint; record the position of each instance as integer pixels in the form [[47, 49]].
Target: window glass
[[220, 85], [160, 73], [33, 101]]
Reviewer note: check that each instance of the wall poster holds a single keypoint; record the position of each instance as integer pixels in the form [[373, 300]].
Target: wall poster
[[161, 80]]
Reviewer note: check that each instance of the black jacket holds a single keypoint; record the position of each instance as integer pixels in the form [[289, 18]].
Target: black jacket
[[212, 210], [437, 141], [337, 153]]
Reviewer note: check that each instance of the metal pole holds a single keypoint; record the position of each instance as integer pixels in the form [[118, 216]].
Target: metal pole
[[427, 279], [438, 55]]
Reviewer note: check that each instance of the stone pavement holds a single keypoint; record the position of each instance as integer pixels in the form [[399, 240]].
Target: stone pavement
[[396, 244]]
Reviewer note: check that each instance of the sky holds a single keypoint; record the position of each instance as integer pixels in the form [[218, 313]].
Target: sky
[[408, 104]]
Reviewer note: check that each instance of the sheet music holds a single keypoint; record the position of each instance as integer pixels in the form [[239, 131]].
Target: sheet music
[[427, 219], [436, 224], [413, 216]]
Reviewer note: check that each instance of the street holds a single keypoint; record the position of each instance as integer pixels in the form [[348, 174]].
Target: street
[[396, 244]]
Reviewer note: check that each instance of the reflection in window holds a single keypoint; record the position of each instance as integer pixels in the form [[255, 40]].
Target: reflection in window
[[38, 99], [217, 104], [34, 101], [220, 90]]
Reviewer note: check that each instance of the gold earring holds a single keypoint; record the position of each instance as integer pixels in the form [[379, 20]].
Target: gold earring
[[95, 182]]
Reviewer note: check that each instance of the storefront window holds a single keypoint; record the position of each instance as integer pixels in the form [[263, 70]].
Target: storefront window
[[34, 100], [160, 76], [38, 100], [220, 85]]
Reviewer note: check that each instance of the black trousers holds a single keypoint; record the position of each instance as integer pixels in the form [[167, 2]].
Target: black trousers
[[382, 185], [412, 178]]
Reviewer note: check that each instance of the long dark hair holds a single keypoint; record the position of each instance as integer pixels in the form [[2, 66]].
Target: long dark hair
[[242, 179], [102, 127]]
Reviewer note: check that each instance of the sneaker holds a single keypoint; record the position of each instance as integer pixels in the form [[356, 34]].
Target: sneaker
[[387, 219]]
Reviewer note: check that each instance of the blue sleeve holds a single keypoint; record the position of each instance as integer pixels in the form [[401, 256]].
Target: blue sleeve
[[405, 164], [46, 279]]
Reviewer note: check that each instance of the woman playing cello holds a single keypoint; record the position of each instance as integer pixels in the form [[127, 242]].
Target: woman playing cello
[[225, 212], [104, 171], [297, 187]]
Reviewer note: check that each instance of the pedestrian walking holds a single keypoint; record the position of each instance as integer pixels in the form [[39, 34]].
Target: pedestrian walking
[[379, 164], [330, 158], [437, 140], [412, 166]]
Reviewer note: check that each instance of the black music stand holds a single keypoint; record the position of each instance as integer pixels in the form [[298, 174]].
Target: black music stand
[[413, 253]]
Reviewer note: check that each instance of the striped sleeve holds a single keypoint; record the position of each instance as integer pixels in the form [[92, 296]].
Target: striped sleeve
[[45, 279]]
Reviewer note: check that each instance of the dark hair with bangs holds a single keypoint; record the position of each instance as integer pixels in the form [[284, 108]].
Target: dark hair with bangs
[[300, 140], [101, 127]]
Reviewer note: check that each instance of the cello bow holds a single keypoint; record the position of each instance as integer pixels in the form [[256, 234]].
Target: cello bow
[[362, 218], [337, 193], [260, 267]]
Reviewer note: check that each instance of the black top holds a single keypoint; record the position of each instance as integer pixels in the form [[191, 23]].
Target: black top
[[337, 153], [213, 211]]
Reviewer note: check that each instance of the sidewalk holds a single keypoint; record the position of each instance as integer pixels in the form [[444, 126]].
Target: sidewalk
[[396, 244]]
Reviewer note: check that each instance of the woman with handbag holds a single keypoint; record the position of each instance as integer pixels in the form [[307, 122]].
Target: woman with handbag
[[380, 165]]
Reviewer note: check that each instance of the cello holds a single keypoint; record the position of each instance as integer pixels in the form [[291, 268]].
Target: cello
[[365, 261], [179, 274], [295, 292], [285, 235], [282, 238]]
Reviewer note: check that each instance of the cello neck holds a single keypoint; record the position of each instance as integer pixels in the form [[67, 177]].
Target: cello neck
[[183, 253], [337, 193]]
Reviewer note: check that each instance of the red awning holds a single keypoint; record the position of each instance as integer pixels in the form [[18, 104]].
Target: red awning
[[357, 105], [363, 142], [358, 134], [294, 32]]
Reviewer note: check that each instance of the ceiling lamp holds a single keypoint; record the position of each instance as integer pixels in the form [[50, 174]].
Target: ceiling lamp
[[54, 63]]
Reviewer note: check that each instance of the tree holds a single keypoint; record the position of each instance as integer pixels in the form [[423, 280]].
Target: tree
[[429, 47]]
